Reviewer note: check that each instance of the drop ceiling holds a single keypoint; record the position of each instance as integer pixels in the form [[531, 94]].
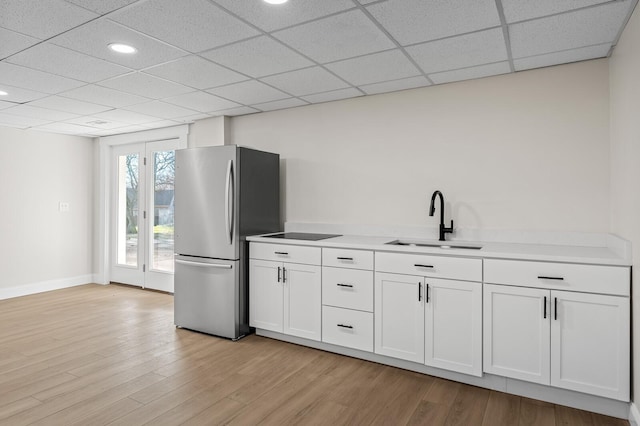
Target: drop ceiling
[[208, 58]]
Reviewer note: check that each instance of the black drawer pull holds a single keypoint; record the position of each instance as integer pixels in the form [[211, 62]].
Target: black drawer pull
[[542, 277], [545, 307], [345, 258], [422, 266], [345, 326], [344, 285], [283, 253]]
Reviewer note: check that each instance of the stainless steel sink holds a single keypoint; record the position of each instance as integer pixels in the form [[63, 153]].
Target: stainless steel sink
[[437, 245]]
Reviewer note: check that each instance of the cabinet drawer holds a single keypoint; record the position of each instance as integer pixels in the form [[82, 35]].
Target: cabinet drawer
[[559, 276], [459, 268], [347, 288], [344, 327], [344, 258], [286, 253]]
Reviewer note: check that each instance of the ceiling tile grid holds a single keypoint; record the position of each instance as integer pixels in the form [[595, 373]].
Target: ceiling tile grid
[[204, 58]]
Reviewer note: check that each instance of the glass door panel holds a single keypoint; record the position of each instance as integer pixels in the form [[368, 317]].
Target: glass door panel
[[163, 180], [127, 209]]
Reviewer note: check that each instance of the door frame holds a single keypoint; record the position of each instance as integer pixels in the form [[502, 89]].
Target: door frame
[[105, 176]]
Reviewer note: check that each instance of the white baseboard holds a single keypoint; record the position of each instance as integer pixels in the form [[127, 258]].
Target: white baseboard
[[634, 415], [42, 286]]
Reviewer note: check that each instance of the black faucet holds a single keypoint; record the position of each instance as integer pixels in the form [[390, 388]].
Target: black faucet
[[432, 209]]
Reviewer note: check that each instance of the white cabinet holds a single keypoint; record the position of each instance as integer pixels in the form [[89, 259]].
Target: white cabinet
[[453, 327], [516, 332], [285, 296], [428, 319], [399, 316], [575, 340]]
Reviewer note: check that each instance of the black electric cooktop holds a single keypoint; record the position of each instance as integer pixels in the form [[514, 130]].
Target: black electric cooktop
[[302, 236]]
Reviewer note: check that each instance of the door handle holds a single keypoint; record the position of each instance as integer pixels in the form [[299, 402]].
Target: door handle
[[345, 285], [419, 292], [344, 326], [278, 274], [427, 294], [542, 277], [545, 307], [345, 258], [227, 201], [555, 308], [418, 265], [284, 275], [206, 265]]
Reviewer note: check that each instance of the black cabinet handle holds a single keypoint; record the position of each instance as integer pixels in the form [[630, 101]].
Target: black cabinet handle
[[345, 258], [427, 294], [419, 292], [542, 277], [545, 307], [345, 326], [418, 265], [344, 285], [284, 253], [279, 274], [555, 307], [284, 275]]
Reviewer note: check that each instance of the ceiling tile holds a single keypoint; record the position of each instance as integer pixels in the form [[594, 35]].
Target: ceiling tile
[[96, 122], [73, 106], [249, 92], [202, 102], [389, 65], [563, 57], [42, 19], [161, 123], [472, 72], [19, 121], [196, 72], [103, 96], [460, 52], [337, 37], [67, 63], [334, 95], [15, 75], [102, 6], [161, 109], [41, 113], [258, 57], [93, 39], [368, 1], [415, 21], [272, 17], [306, 81], [282, 104], [194, 25], [392, 86], [520, 10], [192, 118], [125, 116], [586, 27], [132, 128], [17, 94], [65, 128], [13, 42], [236, 111], [146, 85]]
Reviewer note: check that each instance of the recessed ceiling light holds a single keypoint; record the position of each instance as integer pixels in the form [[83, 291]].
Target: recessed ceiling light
[[122, 48], [276, 1], [3, 93]]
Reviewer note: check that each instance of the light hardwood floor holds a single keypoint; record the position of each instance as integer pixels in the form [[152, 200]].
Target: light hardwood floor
[[95, 355]]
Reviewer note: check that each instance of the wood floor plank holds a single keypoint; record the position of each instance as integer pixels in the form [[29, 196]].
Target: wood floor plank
[[97, 355]]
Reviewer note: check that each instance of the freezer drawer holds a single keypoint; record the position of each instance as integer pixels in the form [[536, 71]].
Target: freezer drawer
[[208, 296]]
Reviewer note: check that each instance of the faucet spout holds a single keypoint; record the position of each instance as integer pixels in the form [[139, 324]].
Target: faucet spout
[[432, 209]]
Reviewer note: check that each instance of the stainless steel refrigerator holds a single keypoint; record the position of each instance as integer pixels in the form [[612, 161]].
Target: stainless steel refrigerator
[[222, 195]]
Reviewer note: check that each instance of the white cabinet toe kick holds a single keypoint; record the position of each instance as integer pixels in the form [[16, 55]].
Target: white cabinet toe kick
[[553, 331]]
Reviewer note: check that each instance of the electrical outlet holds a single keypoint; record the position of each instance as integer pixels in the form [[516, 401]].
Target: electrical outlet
[[63, 206]]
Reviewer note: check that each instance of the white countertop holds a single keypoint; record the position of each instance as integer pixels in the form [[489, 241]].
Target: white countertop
[[493, 250]]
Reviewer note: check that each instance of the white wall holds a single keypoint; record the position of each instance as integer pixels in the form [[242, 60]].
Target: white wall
[[521, 151], [209, 132], [625, 157], [40, 246]]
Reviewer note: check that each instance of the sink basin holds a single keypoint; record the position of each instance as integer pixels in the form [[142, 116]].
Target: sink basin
[[438, 245]]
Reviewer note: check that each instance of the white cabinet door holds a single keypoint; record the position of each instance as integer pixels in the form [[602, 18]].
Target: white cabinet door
[[453, 325], [302, 301], [399, 316], [590, 344], [265, 295], [517, 332]]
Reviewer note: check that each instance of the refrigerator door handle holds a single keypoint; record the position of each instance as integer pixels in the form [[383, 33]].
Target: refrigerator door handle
[[208, 265], [227, 201]]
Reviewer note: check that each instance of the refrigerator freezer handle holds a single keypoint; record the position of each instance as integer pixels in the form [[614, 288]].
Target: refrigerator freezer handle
[[208, 265], [227, 201]]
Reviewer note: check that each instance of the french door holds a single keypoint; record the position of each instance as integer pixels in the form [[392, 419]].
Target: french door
[[142, 214]]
